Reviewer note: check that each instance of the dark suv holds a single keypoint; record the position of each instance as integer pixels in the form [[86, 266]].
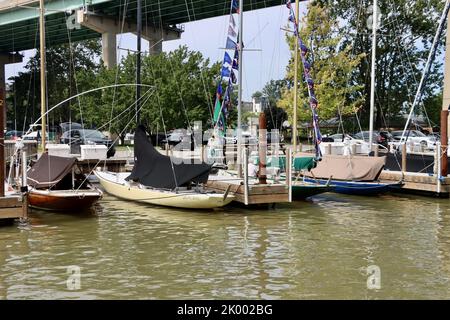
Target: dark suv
[[76, 137]]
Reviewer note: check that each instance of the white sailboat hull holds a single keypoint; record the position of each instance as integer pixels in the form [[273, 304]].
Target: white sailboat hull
[[116, 185]]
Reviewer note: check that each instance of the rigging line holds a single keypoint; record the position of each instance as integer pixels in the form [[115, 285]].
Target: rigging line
[[86, 92], [207, 93], [114, 142], [180, 93], [410, 65], [163, 122], [116, 80], [72, 71], [32, 79]]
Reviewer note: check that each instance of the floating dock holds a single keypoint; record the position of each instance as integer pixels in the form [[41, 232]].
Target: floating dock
[[419, 183], [257, 193]]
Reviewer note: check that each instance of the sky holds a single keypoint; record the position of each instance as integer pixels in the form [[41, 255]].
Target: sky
[[267, 59]]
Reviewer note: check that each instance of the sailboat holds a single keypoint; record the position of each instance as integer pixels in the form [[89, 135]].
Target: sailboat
[[157, 179], [348, 174], [57, 184], [161, 180]]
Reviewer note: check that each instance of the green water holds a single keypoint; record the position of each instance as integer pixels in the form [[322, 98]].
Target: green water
[[306, 250]]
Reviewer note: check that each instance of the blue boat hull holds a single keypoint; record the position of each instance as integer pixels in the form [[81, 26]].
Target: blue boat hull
[[356, 188]]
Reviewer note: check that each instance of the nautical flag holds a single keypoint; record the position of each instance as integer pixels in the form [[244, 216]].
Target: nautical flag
[[236, 60], [226, 72], [307, 66], [231, 32], [219, 91], [291, 18], [236, 6], [303, 48], [227, 59], [232, 21], [233, 77], [230, 44]]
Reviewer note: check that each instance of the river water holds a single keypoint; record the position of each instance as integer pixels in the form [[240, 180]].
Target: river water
[[319, 249]]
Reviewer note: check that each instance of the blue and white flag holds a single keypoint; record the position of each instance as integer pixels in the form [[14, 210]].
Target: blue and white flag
[[230, 44]]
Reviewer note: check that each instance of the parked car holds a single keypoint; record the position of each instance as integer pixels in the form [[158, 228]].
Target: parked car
[[338, 137], [75, 138], [376, 137], [13, 135], [417, 137], [35, 135]]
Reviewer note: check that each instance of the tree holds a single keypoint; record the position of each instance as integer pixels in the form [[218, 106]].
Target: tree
[[404, 39], [63, 63], [332, 69], [183, 92]]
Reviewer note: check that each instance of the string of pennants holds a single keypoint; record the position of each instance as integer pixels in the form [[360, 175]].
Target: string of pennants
[[313, 103], [230, 67]]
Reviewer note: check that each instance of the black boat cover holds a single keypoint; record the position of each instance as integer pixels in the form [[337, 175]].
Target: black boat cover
[[153, 169], [49, 170]]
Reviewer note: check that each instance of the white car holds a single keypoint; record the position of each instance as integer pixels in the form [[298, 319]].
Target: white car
[[33, 136], [416, 136]]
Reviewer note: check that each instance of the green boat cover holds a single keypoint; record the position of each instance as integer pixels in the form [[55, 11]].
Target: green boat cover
[[301, 163], [304, 163]]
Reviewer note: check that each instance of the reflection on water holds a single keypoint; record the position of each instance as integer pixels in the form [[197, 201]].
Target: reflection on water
[[306, 250]]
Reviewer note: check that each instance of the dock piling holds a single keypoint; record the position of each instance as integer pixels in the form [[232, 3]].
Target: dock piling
[[444, 142], [245, 158]]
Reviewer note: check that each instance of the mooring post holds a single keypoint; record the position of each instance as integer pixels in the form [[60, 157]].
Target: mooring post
[[245, 160], [444, 143], [289, 172], [24, 186], [438, 157], [262, 149], [404, 158]]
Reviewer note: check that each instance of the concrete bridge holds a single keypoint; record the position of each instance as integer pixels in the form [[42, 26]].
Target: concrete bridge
[[87, 19]]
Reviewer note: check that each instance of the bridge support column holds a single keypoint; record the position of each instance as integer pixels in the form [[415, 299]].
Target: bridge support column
[[109, 49], [109, 27]]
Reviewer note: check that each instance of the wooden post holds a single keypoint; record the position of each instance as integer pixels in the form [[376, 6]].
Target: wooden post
[[245, 160], [444, 143], [24, 186], [404, 157], [262, 149], [2, 128], [289, 172], [437, 159], [329, 149]]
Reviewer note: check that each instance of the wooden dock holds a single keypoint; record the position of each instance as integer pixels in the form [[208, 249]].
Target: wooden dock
[[257, 193], [419, 183], [11, 208]]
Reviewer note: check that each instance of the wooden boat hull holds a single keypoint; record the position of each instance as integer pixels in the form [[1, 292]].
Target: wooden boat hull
[[63, 200], [123, 190], [357, 188], [302, 190]]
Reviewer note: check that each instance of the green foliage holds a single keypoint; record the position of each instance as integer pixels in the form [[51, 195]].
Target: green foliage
[[332, 69], [403, 42], [63, 63], [183, 88]]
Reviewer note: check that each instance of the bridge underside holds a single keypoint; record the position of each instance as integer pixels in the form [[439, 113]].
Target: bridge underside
[[19, 25]]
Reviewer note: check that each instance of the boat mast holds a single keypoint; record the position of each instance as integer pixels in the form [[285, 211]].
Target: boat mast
[[43, 70], [374, 68], [239, 121], [294, 124], [138, 62]]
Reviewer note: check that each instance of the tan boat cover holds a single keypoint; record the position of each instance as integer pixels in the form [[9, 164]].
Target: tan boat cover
[[349, 168]]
